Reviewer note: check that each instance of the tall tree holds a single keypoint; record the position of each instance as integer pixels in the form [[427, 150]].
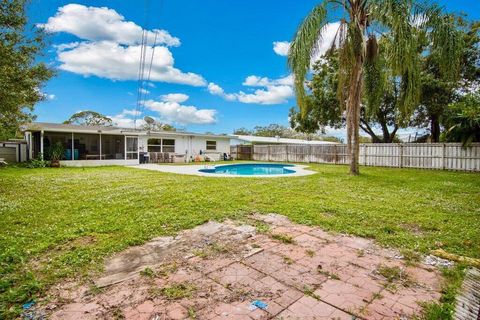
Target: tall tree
[[21, 76], [462, 119], [243, 131], [158, 126], [324, 108], [356, 38], [89, 118], [437, 92], [277, 130]]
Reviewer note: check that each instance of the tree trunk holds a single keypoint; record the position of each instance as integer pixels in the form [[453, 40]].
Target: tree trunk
[[435, 128], [353, 115]]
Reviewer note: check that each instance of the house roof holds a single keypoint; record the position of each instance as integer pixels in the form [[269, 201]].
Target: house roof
[[278, 140], [75, 128]]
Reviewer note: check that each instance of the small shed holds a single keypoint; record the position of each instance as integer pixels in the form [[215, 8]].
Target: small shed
[[14, 150]]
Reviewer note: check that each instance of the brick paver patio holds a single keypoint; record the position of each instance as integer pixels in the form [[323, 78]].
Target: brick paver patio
[[301, 273]]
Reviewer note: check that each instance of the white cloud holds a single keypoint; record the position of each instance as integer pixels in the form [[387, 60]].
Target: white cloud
[[328, 36], [131, 112], [110, 46], [110, 60], [255, 81], [51, 96], [270, 95], [281, 47], [144, 91], [101, 23], [175, 97], [126, 119], [216, 90], [66, 46], [171, 110], [274, 91]]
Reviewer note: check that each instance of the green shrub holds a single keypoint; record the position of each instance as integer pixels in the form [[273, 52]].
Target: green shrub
[[37, 163]]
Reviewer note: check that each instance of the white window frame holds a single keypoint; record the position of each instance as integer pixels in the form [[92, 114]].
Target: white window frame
[[206, 145], [131, 152], [161, 145], [155, 145], [169, 145]]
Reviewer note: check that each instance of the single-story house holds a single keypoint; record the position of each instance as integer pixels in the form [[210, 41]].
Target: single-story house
[[103, 145], [244, 139]]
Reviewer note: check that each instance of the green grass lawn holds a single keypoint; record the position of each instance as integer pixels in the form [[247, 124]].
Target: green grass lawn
[[58, 223]]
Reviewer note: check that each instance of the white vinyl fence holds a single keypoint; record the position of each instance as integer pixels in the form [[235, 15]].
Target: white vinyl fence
[[446, 156]]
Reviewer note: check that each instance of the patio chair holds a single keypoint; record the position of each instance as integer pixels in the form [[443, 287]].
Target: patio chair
[[156, 157], [3, 162], [209, 159]]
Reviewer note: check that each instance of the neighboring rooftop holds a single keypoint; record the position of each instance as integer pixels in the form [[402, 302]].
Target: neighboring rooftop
[[278, 140]]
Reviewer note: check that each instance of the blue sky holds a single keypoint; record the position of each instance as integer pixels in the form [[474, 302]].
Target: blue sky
[[215, 68]]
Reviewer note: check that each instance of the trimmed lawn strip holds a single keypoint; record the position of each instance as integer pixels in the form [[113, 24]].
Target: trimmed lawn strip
[[59, 223]]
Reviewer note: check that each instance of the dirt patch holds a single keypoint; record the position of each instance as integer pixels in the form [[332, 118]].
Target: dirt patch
[[83, 241], [413, 228], [243, 271]]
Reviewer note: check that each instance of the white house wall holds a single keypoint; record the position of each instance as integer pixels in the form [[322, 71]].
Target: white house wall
[[95, 163], [190, 145]]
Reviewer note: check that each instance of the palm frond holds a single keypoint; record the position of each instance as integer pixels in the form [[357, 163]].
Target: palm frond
[[374, 78], [448, 42], [346, 58], [402, 55], [304, 47]]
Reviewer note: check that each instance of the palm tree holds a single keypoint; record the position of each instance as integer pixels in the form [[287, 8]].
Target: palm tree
[[405, 22]]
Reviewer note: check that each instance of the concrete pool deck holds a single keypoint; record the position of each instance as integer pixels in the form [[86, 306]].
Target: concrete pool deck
[[300, 170]]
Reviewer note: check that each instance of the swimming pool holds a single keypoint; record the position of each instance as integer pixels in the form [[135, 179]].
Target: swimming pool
[[251, 169]]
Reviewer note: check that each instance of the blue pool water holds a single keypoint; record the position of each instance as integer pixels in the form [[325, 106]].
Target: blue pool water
[[251, 169]]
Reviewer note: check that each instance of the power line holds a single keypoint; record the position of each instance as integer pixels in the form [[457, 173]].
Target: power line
[[142, 105], [141, 67], [140, 75]]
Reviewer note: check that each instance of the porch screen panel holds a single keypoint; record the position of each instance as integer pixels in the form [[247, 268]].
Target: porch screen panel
[[52, 138], [113, 147], [88, 146]]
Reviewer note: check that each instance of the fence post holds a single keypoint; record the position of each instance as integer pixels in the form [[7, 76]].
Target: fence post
[[286, 151], [335, 154], [365, 154], [268, 153], [443, 156], [400, 161]]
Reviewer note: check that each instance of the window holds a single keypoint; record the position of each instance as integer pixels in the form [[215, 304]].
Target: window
[[168, 145], [154, 145], [161, 145], [211, 145]]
